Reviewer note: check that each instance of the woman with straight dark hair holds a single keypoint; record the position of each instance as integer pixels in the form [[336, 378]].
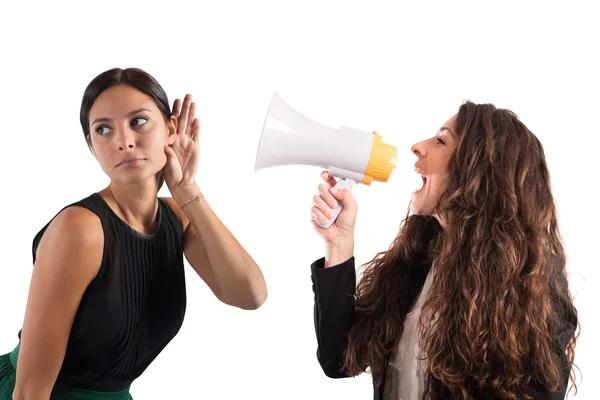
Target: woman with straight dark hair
[[107, 290], [471, 300]]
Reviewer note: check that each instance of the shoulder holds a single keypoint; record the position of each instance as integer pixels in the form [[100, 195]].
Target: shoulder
[[178, 211], [79, 224], [74, 237]]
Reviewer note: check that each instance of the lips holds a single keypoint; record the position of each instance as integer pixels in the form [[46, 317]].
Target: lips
[[128, 161]]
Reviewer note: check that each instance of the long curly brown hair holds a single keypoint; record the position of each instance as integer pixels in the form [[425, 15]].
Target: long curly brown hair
[[499, 319]]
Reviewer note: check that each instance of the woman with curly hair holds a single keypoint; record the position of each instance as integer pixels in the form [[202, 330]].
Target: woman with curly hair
[[471, 300]]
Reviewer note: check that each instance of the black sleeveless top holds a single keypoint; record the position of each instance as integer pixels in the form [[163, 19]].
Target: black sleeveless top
[[133, 307]]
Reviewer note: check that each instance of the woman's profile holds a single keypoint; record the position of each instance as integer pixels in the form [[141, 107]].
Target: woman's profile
[[471, 300], [108, 292]]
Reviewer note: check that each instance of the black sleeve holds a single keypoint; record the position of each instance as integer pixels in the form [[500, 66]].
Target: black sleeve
[[550, 396], [564, 330], [335, 313]]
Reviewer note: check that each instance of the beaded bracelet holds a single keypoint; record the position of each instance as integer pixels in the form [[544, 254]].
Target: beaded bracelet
[[192, 199]]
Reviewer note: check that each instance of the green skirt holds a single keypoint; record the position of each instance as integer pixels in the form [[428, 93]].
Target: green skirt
[[8, 373]]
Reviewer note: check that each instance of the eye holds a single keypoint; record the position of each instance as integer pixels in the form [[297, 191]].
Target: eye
[[139, 121], [439, 140], [102, 130]]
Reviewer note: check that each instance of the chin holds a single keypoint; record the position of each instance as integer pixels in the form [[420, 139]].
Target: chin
[[133, 179], [415, 209], [419, 212], [418, 208]]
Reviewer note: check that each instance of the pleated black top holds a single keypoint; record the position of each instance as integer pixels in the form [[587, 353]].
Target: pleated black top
[[134, 306]]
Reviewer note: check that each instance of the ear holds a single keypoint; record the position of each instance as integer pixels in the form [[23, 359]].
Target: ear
[[172, 129]]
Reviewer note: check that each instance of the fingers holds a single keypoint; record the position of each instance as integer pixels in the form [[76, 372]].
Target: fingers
[[345, 196], [170, 153], [191, 119], [185, 113], [325, 194], [321, 206], [330, 180], [324, 202], [184, 116], [195, 131], [318, 215], [314, 224]]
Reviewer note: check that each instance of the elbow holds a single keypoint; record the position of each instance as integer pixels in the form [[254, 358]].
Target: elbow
[[257, 291], [332, 369], [18, 395], [251, 299], [333, 372], [260, 300], [257, 298]]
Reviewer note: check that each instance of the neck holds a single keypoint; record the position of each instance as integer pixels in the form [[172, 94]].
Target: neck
[[135, 203]]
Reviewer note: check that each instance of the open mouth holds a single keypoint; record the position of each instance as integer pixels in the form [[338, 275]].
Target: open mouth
[[424, 182], [423, 177]]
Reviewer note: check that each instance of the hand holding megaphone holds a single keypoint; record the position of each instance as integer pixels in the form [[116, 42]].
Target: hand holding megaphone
[[327, 210], [324, 203], [352, 155]]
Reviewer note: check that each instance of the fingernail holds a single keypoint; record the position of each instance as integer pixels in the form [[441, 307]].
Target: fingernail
[[334, 190]]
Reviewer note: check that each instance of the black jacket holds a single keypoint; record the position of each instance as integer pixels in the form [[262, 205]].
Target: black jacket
[[335, 313]]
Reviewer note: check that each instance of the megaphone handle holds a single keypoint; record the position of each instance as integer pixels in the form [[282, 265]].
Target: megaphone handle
[[342, 184]]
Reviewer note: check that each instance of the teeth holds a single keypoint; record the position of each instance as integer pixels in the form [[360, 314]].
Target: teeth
[[419, 171]]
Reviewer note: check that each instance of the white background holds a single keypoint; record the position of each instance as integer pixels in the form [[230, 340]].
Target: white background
[[398, 68]]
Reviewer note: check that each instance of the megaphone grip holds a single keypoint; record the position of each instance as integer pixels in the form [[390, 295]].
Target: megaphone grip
[[342, 184]]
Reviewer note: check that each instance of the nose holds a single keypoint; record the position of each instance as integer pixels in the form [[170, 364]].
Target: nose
[[125, 138], [419, 149]]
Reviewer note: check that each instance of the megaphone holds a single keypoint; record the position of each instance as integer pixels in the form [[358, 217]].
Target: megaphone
[[352, 155]]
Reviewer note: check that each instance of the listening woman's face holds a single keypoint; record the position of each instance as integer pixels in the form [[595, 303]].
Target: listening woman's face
[[432, 160], [128, 134]]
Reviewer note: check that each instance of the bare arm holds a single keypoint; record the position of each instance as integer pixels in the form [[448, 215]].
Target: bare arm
[[217, 257], [67, 259]]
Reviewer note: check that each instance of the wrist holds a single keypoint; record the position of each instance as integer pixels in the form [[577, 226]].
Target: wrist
[[183, 193], [338, 252]]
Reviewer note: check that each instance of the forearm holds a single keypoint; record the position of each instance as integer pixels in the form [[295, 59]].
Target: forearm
[[30, 393], [238, 278]]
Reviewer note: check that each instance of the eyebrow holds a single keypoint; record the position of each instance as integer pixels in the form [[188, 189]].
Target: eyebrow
[[104, 119], [443, 128]]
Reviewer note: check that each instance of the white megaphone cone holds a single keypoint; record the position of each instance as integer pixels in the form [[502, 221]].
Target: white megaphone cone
[[290, 138]]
